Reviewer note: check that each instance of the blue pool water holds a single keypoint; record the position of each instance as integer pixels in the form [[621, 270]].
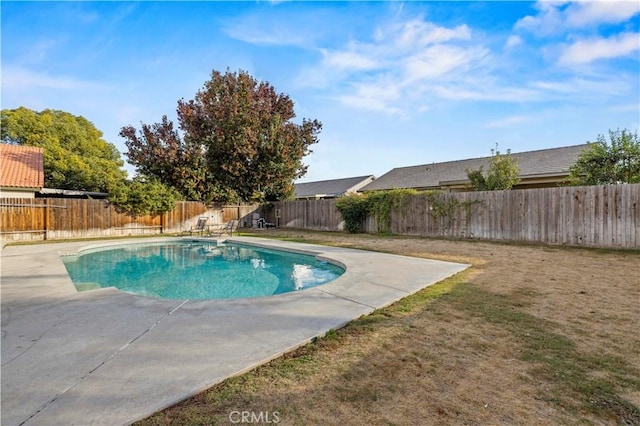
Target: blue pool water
[[197, 270]]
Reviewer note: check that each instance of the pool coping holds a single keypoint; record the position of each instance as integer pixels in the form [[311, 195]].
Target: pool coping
[[101, 356]]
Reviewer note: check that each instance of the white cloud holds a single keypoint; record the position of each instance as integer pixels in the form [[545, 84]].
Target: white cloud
[[348, 60], [407, 67], [513, 41], [580, 87], [626, 108], [495, 89], [390, 72], [18, 79], [509, 121], [416, 32], [277, 28], [371, 103], [487, 90], [381, 95], [556, 17], [277, 36], [440, 61], [600, 12], [589, 50], [549, 19]]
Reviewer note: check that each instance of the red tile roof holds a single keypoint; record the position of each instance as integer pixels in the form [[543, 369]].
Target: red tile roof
[[21, 166]]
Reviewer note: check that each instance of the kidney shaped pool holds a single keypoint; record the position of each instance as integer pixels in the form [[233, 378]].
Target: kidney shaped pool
[[197, 270]]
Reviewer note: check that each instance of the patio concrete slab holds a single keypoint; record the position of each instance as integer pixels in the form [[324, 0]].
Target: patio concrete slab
[[108, 357]]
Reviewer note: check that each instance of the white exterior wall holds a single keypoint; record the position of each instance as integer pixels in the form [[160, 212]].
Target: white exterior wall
[[17, 192]]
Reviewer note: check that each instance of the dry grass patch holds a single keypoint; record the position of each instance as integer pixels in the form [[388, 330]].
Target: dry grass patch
[[529, 335]]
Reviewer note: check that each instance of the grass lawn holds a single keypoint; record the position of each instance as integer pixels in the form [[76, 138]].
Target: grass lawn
[[528, 335]]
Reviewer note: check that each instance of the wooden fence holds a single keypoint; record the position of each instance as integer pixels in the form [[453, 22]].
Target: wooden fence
[[602, 216], [62, 218], [599, 216]]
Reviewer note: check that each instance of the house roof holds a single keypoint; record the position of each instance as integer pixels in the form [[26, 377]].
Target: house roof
[[541, 163], [330, 188], [21, 166]]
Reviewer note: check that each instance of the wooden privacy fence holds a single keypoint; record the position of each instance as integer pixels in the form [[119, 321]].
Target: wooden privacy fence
[[602, 216], [62, 218]]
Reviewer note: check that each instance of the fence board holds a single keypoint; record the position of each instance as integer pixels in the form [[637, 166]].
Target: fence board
[[604, 216], [61, 218]]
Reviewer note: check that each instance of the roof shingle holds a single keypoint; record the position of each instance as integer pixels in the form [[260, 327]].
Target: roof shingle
[[545, 162], [21, 166]]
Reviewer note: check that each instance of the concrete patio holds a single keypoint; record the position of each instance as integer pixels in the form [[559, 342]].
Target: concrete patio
[[108, 357]]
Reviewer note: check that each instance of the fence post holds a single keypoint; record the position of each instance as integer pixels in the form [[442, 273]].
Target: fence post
[[46, 217]]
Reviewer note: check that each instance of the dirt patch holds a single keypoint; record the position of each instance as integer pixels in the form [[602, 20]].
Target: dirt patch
[[529, 335]]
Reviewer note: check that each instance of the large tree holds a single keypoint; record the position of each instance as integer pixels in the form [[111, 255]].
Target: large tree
[[609, 163], [75, 154], [160, 153], [239, 140]]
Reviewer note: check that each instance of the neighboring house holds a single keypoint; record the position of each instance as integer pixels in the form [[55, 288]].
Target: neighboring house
[[21, 171], [330, 188], [538, 169]]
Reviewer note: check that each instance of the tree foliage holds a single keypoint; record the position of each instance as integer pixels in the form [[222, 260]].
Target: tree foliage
[[503, 174], [608, 163], [141, 197], [75, 154], [159, 152], [240, 142]]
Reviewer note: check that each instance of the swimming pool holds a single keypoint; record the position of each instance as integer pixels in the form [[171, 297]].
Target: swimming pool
[[197, 270]]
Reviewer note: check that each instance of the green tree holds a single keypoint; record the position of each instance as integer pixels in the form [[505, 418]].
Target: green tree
[[239, 139], [608, 163], [75, 154], [144, 196], [503, 174]]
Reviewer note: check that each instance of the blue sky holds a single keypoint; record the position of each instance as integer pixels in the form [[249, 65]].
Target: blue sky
[[394, 84]]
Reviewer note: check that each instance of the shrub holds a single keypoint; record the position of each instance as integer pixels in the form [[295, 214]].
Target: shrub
[[354, 209], [140, 197]]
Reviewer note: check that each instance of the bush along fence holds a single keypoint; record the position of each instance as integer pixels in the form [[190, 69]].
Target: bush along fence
[[63, 218], [598, 216]]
